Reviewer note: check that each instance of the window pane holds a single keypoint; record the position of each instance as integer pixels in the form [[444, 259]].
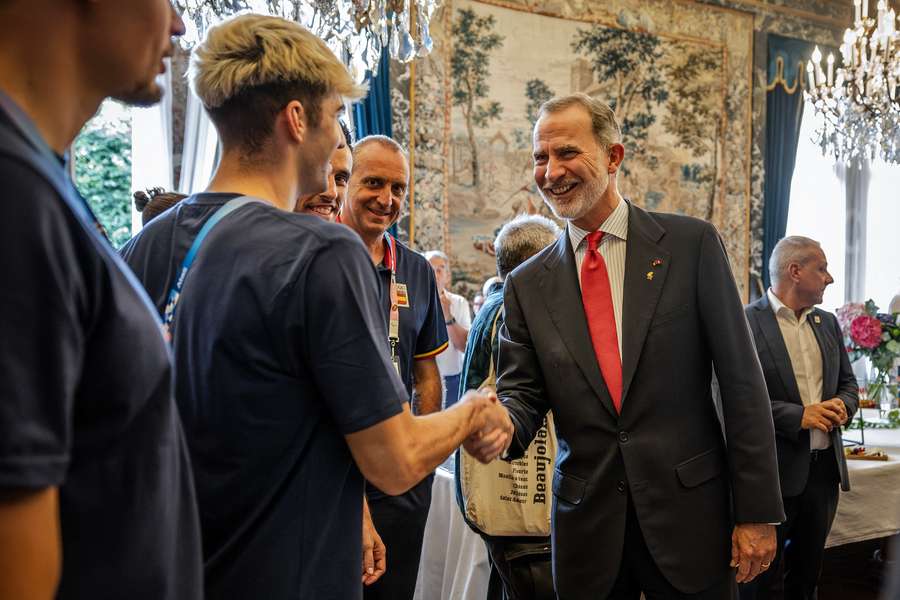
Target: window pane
[[882, 241], [817, 208], [102, 161]]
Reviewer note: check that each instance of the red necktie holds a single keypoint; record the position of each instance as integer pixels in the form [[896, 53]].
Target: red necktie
[[598, 308]]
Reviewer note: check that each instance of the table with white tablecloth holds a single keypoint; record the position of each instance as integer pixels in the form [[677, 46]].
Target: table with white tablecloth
[[871, 509], [454, 564]]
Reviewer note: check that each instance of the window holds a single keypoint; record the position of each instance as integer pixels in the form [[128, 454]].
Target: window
[[101, 160], [883, 235], [817, 208], [818, 211]]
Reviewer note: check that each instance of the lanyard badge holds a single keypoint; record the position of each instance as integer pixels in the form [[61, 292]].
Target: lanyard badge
[[394, 313]]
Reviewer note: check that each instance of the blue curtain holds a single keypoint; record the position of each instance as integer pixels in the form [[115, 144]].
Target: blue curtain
[[373, 115], [784, 111]]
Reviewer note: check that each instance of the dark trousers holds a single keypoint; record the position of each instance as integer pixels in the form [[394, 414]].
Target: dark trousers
[[400, 521], [451, 390], [521, 569], [638, 572], [801, 538]]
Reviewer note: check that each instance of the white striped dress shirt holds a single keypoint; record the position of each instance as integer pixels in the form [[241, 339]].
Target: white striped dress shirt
[[806, 359], [612, 249]]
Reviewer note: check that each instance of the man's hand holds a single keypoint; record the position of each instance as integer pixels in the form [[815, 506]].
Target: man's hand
[[752, 549], [445, 303], [494, 431], [374, 553], [824, 416], [838, 406]]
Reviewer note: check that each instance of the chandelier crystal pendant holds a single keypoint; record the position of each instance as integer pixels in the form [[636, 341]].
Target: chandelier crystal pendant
[[860, 99], [365, 27], [356, 29]]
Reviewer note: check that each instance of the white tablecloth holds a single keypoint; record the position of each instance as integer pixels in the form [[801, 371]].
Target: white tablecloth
[[454, 564], [871, 509]]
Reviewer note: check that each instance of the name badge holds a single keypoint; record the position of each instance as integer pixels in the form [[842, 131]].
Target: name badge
[[402, 296]]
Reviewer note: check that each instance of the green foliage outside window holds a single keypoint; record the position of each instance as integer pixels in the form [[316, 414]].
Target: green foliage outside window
[[102, 155]]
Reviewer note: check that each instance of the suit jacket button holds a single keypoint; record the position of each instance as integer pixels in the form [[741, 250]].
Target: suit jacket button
[[623, 437], [621, 487]]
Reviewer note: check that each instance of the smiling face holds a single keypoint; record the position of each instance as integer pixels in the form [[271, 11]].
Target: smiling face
[[571, 169], [319, 144], [328, 204], [377, 190]]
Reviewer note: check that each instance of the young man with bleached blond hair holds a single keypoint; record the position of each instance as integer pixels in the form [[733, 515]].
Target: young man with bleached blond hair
[[284, 381]]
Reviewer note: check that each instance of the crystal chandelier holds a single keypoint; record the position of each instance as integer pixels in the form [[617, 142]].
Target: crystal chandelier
[[356, 29], [860, 100]]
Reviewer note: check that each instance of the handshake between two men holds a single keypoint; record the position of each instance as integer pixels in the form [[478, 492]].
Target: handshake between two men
[[397, 453], [496, 431]]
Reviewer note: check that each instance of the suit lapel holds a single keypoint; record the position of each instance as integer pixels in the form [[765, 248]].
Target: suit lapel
[[830, 349], [562, 296], [775, 341], [826, 347], [641, 291]]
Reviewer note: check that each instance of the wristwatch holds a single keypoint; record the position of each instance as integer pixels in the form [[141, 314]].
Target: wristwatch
[[450, 322]]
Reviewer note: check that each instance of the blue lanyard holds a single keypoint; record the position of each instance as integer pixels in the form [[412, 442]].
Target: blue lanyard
[[175, 292], [29, 131]]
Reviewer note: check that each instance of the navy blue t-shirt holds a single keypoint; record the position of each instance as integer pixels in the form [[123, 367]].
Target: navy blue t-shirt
[[423, 333], [280, 351], [86, 396]]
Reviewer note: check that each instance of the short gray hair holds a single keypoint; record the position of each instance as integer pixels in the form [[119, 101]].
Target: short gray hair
[[383, 141], [792, 250], [436, 254], [522, 238], [603, 119]]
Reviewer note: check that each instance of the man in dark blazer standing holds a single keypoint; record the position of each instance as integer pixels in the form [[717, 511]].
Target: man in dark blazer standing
[[618, 336], [813, 392]]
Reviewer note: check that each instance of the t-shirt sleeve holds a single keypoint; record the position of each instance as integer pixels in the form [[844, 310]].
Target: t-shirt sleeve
[[42, 298], [462, 314], [432, 339], [347, 338]]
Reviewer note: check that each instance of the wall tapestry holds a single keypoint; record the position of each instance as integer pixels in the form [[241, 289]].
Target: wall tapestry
[[679, 81]]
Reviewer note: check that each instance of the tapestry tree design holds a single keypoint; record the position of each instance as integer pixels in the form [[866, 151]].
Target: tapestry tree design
[[474, 39], [628, 69], [693, 120]]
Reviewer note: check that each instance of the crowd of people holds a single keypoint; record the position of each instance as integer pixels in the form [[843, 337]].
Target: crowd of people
[[249, 400]]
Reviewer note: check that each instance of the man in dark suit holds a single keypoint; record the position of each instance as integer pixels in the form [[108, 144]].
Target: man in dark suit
[[813, 392], [618, 336]]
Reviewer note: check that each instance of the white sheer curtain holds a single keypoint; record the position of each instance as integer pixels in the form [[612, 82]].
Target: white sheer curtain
[[854, 212], [883, 235], [856, 177], [151, 146], [817, 208], [199, 155]]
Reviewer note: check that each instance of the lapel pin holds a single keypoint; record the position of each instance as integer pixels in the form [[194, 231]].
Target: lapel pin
[[817, 319], [649, 275], [656, 262]]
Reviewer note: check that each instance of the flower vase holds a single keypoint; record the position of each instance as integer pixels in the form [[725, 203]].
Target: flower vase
[[882, 392]]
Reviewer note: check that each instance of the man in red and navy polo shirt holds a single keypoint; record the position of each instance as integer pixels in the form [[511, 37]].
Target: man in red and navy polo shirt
[[416, 335]]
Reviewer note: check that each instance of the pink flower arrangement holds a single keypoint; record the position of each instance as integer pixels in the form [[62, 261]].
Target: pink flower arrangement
[[865, 331], [875, 336], [847, 313]]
